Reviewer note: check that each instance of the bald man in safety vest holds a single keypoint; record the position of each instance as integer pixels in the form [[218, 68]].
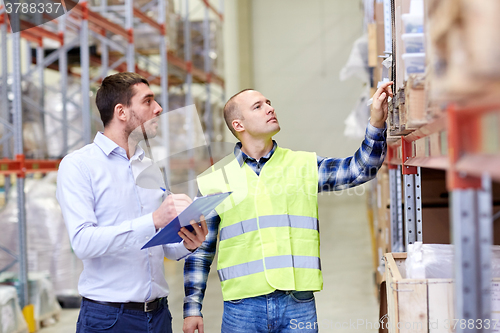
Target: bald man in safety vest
[[268, 261]]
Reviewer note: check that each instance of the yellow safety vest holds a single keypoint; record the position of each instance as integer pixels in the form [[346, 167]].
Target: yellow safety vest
[[268, 234]]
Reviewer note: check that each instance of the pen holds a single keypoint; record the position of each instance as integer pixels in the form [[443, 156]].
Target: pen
[[165, 190]]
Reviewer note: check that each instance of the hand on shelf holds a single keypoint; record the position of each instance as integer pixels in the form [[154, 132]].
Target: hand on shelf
[[378, 111]]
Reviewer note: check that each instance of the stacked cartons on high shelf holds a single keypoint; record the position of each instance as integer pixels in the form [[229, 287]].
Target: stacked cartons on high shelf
[[464, 49]]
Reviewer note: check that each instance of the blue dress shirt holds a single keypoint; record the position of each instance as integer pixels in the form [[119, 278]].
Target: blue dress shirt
[[109, 218]]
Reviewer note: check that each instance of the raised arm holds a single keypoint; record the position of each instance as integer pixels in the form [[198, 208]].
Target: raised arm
[[341, 173]]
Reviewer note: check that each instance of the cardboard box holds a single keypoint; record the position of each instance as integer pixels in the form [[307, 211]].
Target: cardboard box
[[413, 114], [481, 32], [401, 7], [463, 49]]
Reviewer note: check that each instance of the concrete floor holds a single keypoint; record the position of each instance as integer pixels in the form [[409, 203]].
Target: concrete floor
[[348, 302]]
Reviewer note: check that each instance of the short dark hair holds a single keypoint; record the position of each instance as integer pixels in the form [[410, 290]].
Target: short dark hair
[[116, 89], [231, 112]]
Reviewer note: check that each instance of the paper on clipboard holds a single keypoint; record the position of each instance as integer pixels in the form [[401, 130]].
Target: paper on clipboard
[[200, 206]]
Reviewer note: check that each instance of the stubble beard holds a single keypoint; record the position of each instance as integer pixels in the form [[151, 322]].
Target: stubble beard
[[140, 130]]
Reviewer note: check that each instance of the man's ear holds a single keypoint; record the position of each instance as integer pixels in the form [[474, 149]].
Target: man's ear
[[119, 112], [238, 125]]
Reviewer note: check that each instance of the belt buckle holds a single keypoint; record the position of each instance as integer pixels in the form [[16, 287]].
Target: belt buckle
[[146, 306]]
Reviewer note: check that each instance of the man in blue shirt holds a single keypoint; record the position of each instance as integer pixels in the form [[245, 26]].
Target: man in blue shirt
[[109, 218], [251, 118]]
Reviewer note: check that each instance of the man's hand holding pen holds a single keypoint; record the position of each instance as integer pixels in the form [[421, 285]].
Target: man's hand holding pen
[[170, 208]]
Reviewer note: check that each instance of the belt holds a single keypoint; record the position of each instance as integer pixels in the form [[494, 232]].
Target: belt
[[142, 306]]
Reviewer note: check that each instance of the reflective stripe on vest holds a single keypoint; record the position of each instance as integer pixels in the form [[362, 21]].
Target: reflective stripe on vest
[[257, 266], [293, 221]]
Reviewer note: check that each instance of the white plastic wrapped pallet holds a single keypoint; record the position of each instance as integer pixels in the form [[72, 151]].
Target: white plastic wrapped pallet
[[49, 249], [435, 261], [11, 317]]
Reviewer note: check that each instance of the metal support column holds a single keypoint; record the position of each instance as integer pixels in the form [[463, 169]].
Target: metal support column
[[104, 55], [485, 237], [162, 4], [63, 72], [410, 216], [418, 203], [85, 75], [399, 198], [221, 11], [472, 227], [472, 268], [208, 118], [395, 207], [41, 76], [40, 54], [387, 26], [189, 98], [28, 61], [413, 203], [104, 45], [5, 105], [19, 150], [129, 25]]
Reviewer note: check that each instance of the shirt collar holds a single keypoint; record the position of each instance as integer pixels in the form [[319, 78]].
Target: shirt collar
[[108, 146], [241, 157]]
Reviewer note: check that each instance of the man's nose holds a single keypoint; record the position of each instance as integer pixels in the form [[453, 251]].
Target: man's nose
[[158, 108]]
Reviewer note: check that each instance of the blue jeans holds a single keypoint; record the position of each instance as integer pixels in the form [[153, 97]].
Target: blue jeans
[[280, 311], [96, 318]]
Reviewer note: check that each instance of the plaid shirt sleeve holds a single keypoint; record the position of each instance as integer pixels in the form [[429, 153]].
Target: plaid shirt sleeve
[[197, 267], [341, 173]]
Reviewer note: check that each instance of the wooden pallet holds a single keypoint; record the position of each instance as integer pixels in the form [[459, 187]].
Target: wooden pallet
[[48, 319], [418, 305]]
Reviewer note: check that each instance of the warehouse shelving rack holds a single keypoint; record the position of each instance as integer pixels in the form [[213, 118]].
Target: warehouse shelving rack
[[117, 54], [453, 141]]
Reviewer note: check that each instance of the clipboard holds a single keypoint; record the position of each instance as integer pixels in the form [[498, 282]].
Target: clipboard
[[200, 206]]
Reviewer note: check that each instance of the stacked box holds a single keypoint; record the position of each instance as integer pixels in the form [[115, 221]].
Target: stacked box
[[147, 38], [463, 46], [413, 114], [197, 45]]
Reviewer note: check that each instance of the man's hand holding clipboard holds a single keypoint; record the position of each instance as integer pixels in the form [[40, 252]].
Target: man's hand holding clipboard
[[190, 214]]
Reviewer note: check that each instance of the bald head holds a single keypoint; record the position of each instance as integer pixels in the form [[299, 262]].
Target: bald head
[[232, 112]]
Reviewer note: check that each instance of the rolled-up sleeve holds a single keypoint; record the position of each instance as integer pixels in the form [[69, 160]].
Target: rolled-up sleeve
[[341, 173]]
